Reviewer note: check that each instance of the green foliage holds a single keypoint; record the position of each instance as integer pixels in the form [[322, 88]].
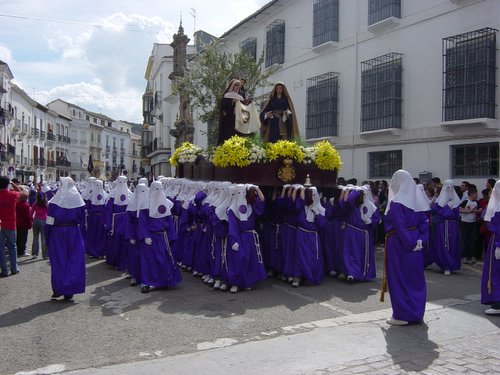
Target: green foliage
[[208, 74]]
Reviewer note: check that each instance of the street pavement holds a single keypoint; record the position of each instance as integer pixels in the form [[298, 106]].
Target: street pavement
[[273, 329]]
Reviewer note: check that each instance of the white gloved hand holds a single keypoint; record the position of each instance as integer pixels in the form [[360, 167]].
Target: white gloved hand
[[497, 253], [419, 246], [148, 241], [132, 242], [236, 246]]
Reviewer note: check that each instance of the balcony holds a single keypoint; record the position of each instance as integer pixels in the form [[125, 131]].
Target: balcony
[[17, 126], [3, 156], [108, 148], [42, 134], [36, 132], [61, 162], [66, 139], [51, 163], [51, 137], [41, 162], [59, 138], [24, 129], [83, 141]]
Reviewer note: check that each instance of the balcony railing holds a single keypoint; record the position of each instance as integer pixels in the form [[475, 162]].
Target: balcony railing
[[63, 163], [51, 163], [41, 162], [59, 138], [51, 136], [42, 134], [36, 131], [3, 155]]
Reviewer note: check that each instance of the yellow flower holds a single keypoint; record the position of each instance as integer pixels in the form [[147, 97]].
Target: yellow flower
[[233, 152], [284, 149], [327, 157]]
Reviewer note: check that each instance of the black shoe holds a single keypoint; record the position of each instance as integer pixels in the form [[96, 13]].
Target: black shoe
[[68, 297], [14, 272], [2, 275], [145, 289]]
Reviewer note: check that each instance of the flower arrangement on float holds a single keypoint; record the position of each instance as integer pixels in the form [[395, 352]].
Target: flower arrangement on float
[[238, 152], [242, 151], [186, 153]]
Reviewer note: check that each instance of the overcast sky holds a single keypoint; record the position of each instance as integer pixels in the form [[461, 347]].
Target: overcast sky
[[94, 52]]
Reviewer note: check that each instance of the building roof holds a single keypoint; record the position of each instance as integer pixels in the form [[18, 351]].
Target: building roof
[[7, 68], [250, 17]]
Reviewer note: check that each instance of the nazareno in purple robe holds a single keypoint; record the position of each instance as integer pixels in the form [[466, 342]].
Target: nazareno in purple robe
[[445, 241], [333, 243], [308, 254], [66, 249], [96, 233], [405, 267], [116, 244], [359, 242], [245, 266], [158, 266], [491, 268]]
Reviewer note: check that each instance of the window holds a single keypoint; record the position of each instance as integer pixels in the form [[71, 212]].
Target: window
[[87, 117], [475, 160], [102, 122], [249, 46], [74, 112], [383, 164], [275, 43], [381, 81], [326, 21], [469, 68], [379, 10], [322, 106]]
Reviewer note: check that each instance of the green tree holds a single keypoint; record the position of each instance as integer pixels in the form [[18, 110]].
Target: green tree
[[207, 75]]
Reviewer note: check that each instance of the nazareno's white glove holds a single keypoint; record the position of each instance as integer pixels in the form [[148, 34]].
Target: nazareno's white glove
[[236, 246], [148, 241], [497, 253], [132, 242], [419, 246]]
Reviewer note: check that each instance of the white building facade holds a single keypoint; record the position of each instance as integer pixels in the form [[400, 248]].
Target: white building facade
[[392, 84]]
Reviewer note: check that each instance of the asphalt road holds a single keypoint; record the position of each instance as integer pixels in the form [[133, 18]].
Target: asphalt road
[[114, 323]]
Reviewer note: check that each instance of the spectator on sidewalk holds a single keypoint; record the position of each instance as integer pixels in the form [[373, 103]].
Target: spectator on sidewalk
[[8, 199], [39, 214], [469, 210], [407, 230], [24, 223], [490, 282]]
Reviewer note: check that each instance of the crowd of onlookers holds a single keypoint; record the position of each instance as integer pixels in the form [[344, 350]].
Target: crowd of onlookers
[[22, 208]]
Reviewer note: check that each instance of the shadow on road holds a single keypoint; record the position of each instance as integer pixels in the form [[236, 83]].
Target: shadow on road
[[28, 313], [410, 347]]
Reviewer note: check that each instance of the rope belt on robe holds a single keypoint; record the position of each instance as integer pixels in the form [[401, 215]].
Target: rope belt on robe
[[276, 235], [167, 243], [176, 223], [86, 219], [257, 244], [315, 237], [367, 246], [282, 125], [384, 277], [112, 231], [224, 253]]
